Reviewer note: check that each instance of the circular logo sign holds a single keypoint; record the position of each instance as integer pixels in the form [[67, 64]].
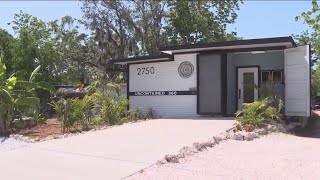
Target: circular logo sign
[[185, 69]]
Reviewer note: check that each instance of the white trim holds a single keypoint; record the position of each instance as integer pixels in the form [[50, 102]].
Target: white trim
[[142, 61], [254, 70], [287, 44]]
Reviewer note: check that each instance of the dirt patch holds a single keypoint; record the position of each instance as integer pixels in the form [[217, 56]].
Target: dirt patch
[[53, 127]]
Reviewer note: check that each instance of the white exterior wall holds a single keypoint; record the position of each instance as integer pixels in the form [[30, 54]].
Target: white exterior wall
[[165, 78]]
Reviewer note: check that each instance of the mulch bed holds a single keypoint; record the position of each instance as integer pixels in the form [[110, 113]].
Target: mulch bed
[[53, 127]]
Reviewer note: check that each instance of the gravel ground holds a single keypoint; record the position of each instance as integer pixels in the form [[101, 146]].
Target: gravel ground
[[277, 156], [7, 144]]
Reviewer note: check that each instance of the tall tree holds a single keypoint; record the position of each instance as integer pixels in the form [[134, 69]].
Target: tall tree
[[312, 19], [312, 36], [140, 27], [74, 50], [34, 46], [6, 48], [200, 21], [149, 16]]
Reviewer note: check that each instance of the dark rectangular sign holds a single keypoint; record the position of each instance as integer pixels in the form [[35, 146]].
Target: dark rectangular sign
[[162, 93]]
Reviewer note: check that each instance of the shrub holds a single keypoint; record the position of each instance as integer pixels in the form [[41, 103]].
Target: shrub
[[17, 95], [75, 110], [38, 118], [114, 109], [96, 109], [256, 113]]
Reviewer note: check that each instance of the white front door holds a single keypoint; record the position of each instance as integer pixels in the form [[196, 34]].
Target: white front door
[[247, 80]]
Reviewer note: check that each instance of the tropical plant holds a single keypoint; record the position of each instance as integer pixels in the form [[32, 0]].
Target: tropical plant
[[268, 90], [16, 95], [256, 114], [267, 107], [74, 110], [38, 118], [112, 110]]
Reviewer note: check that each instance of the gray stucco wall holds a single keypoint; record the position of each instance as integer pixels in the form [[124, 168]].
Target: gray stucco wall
[[273, 60]]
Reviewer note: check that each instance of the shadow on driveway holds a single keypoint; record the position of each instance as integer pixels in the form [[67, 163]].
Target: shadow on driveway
[[312, 129]]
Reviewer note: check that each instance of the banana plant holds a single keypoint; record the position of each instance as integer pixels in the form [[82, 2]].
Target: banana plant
[[17, 95]]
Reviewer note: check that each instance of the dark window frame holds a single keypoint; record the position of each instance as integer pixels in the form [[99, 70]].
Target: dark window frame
[[271, 73]]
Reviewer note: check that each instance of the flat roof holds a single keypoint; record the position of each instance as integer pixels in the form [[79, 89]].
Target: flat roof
[[142, 59], [286, 41], [229, 46]]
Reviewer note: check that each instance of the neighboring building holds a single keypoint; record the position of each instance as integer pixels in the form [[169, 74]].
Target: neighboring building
[[209, 79]]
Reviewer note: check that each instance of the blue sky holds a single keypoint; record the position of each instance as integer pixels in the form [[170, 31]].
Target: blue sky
[[256, 19]]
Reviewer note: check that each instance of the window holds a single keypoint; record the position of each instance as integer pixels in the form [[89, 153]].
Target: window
[[275, 75], [265, 75]]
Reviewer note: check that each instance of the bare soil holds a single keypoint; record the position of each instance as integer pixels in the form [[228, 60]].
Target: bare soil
[[53, 127]]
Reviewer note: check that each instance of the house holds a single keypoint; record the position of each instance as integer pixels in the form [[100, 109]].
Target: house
[[217, 78]]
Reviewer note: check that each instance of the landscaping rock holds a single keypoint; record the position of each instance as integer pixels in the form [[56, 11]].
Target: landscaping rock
[[187, 151], [218, 138], [172, 158], [250, 136], [25, 139], [237, 136], [197, 146], [262, 131], [224, 136], [28, 121]]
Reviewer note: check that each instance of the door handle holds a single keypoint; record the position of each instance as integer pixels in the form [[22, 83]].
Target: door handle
[[239, 94]]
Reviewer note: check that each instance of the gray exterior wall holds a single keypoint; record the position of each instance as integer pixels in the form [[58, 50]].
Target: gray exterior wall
[[273, 60], [210, 84]]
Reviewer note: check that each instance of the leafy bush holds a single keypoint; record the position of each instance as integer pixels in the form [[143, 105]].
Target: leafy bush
[[17, 96], [256, 113], [112, 109], [96, 109], [72, 111], [38, 118]]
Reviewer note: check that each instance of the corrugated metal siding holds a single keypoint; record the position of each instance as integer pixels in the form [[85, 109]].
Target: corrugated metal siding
[[297, 81], [165, 78], [166, 106]]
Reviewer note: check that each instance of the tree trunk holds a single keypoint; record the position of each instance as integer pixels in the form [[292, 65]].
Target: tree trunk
[[8, 120], [2, 125]]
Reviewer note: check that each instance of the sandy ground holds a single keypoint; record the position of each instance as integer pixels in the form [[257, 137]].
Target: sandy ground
[[277, 156]]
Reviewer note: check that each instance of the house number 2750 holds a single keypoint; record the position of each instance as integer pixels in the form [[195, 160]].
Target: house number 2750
[[145, 70]]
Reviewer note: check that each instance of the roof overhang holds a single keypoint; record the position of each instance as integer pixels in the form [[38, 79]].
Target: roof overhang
[[144, 59], [249, 45], [233, 46]]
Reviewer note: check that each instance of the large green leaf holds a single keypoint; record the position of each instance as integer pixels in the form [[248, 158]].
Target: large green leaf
[[34, 73], [11, 82], [46, 86], [27, 101], [5, 96], [26, 84], [3, 69]]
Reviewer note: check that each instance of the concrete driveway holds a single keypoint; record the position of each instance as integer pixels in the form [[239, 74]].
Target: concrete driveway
[[113, 153]]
